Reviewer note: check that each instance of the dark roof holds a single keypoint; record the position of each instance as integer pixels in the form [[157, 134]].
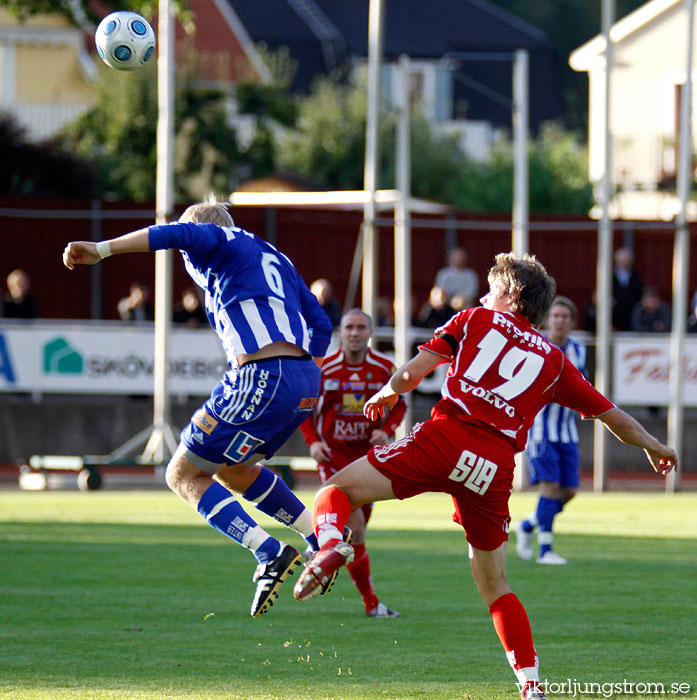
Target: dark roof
[[323, 34]]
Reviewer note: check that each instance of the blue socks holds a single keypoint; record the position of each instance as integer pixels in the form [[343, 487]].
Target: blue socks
[[271, 496], [223, 512], [547, 508]]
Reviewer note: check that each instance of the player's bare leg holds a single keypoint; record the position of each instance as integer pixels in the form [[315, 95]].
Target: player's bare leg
[[222, 511], [353, 486], [509, 617]]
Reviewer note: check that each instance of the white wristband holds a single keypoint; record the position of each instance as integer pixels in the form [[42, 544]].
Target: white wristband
[[103, 249]]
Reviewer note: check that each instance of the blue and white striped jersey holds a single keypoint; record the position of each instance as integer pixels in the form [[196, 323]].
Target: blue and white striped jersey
[[555, 423], [254, 294]]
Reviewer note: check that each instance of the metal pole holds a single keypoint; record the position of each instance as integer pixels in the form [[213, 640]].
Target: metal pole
[[520, 148], [161, 439], [681, 259], [519, 242], [370, 177], [604, 266], [402, 230]]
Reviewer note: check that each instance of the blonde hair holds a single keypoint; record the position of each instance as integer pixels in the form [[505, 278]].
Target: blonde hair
[[208, 212], [526, 277]]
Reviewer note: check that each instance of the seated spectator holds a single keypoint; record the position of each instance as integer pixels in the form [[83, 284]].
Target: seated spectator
[[324, 293], [19, 301], [436, 311], [136, 306], [692, 320], [457, 279], [651, 315], [590, 320], [384, 312], [189, 311]]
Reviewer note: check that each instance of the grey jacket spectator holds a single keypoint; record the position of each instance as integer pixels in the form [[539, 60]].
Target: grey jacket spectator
[[457, 279], [651, 315]]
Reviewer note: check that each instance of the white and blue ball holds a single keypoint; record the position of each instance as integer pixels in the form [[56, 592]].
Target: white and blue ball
[[125, 40]]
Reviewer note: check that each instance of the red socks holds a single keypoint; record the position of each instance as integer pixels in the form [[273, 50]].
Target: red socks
[[513, 628], [359, 570], [330, 514]]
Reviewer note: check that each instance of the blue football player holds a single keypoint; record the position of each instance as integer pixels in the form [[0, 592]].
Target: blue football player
[[275, 335], [552, 449]]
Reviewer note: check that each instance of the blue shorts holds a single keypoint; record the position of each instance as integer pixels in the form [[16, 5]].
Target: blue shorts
[[558, 462], [253, 410]]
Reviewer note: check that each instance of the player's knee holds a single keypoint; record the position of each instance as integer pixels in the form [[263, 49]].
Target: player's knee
[[567, 494], [172, 476], [178, 472]]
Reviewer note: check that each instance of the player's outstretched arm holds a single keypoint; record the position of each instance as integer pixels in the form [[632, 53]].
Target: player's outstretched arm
[[89, 252], [405, 379], [663, 459]]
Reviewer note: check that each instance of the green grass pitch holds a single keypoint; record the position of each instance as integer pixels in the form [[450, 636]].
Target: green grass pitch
[[130, 596]]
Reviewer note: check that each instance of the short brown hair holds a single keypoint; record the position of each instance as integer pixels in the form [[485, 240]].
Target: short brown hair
[[360, 312], [565, 301], [527, 277], [209, 212]]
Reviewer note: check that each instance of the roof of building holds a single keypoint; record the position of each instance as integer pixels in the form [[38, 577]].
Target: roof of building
[[323, 35], [582, 59]]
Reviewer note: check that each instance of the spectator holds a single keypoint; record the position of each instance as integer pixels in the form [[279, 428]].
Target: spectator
[[136, 306], [324, 293], [457, 279], [627, 289], [189, 310], [384, 310], [651, 315], [436, 311], [19, 301], [590, 320], [459, 303], [692, 320]]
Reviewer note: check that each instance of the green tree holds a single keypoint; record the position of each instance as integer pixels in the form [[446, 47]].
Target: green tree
[[119, 135], [557, 175], [272, 106], [45, 169], [328, 145], [82, 12]]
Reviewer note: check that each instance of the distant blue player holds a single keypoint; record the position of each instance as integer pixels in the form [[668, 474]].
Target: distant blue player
[[271, 328], [552, 448]]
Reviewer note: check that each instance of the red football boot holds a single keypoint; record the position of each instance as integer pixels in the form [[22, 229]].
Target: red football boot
[[321, 570]]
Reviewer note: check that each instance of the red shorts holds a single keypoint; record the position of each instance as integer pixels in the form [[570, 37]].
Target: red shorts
[[339, 461], [472, 464]]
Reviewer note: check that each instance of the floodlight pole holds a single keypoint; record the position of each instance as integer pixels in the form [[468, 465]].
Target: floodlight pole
[[370, 176], [604, 266], [402, 231], [162, 442], [521, 178], [681, 259]]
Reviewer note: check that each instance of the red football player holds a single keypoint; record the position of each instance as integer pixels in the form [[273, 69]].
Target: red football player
[[502, 372], [338, 432]]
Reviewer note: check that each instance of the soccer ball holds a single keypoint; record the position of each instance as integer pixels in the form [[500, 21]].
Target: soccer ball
[[125, 40]]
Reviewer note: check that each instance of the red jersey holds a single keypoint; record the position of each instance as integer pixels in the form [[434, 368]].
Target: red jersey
[[338, 418], [503, 371]]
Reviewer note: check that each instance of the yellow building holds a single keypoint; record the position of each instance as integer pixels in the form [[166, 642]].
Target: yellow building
[[46, 72]]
